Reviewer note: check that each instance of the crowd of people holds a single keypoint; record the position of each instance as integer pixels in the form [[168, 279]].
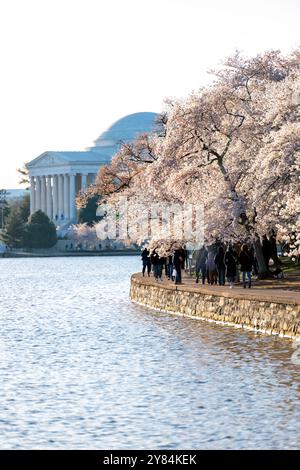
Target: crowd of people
[[172, 265], [216, 267], [215, 264]]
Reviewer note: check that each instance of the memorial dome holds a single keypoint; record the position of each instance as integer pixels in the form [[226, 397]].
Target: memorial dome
[[125, 129]]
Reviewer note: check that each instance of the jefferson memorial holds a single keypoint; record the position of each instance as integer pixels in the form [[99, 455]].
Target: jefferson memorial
[[56, 177]]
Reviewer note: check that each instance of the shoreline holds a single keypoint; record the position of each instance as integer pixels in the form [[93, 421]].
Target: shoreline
[[69, 254], [264, 310]]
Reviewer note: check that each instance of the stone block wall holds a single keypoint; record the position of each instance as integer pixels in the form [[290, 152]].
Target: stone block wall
[[268, 316]]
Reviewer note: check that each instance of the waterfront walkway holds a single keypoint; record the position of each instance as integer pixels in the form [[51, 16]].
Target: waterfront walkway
[[270, 306], [285, 290]]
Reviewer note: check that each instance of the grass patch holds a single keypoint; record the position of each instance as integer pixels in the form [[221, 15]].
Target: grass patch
[[289, 266]]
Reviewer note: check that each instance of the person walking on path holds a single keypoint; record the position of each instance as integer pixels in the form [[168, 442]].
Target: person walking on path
[[230, 263], [246, 262], [157, 263], [219, 261], [146, 261], [177, 262], [211, 268], [201, 265], [170, 267], [182, 252]]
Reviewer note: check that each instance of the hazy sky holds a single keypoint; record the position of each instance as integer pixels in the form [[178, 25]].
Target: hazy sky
[[70, 68]]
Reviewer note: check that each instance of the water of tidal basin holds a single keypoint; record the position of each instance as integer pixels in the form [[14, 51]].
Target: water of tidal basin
[[83, 367]]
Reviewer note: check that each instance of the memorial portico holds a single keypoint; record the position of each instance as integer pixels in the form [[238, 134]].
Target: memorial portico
[[55, 180], [57, 177]]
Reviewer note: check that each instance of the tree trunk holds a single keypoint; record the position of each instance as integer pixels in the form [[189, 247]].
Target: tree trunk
[[263, 271]]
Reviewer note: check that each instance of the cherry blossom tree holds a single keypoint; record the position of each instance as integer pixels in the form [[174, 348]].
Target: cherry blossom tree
[[83, 233], [232, 147]]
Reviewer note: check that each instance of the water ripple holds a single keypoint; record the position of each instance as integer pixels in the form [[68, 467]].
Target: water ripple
[[83, 367]]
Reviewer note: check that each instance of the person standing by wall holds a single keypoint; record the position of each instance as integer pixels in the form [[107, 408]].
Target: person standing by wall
[[201, 265], [246, 262], [177, 262], [230, 263], [170, 267], [146, 261], [157, 263], [183, 256]]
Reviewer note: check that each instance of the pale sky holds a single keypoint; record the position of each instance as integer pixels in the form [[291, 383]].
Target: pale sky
[[70, 68]]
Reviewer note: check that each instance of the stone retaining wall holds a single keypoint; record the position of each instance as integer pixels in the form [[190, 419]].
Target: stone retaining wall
[[268, 316]]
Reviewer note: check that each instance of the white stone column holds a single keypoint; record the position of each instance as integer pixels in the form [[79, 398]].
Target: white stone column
[[55, 202], [60, 197], [93, 177], [32, 195], [72, 197], [43, 194], [49, 198], [38, 194], [84, 181], [66, 197]]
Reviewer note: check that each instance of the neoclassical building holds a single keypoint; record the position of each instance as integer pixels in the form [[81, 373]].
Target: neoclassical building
[[57, 177]]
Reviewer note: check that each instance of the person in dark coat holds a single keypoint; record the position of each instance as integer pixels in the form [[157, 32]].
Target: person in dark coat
[[177, 262], [170, 267], [219, 261], [183, 257], [146, 261], [246, 262], [157, 263], [201, 265], [230, 263]]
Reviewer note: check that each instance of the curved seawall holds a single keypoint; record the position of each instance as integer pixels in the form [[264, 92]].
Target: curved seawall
[[269, 311]]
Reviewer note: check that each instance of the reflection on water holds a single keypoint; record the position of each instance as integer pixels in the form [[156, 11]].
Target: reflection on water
[[83, 367]]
